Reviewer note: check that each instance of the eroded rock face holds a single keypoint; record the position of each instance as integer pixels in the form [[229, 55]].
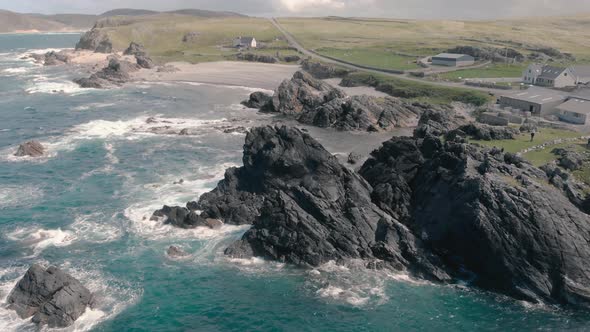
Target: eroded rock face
[[144, 61], [317, 103], [95, 40], [257, 100], [31, 149], [116, 73], [323, 71], [485, 212], [50, 296]]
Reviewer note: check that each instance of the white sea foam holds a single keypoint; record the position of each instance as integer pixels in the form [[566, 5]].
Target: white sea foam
[[39, 239], [19, 196], [95, 228], [16, 70], [92, 106], [46, 85], [246, 89]]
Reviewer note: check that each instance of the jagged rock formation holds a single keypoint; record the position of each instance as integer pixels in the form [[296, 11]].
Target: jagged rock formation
[[95, 40], [323, 71], [438, 122], [484, 132], [317, 103], [30, 149], [141, 56], [51, 58], [51, 297], [115, 74]]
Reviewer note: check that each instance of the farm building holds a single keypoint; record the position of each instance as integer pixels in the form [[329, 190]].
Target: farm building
[[538, 101], [575, 111], [245, 42], [453, 60]]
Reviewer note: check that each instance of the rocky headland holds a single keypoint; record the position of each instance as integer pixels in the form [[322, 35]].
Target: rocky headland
[[438, 209], [50, 296], [315, 102]]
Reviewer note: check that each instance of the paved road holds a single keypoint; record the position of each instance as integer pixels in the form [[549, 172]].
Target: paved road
[[294, 43]]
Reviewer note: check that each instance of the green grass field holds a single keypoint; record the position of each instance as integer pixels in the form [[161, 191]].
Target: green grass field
[[419, 91], [524, 140], [369, 38], [495, 70], [374, 57], [162, 36], [542, 157]]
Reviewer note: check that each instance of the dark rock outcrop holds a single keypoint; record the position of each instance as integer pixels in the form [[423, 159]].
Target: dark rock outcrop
[[438, 122], [190, 37], [489, 53], [144, 61], [51, 58], [484, 132], [95, 40], [115, 74], [135, 49], [51, 297], [257, 58], [323, 71], [570, 160], [30, 149], [480, 212], [257, 100], [291, 58], [314, 102]]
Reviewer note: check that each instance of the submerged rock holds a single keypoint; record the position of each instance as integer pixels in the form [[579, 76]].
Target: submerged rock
[[31, 149], [176, 252], [52, 297]]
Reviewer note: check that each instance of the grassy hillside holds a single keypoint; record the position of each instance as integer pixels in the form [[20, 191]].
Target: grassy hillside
[[10, 22], [367, 40], [163, 34]]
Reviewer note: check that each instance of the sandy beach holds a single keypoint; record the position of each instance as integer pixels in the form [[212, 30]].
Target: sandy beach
[[250, 74]]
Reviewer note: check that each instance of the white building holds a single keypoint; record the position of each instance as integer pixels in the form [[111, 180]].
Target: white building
[[550, 76], [245, 42], [575, 111]]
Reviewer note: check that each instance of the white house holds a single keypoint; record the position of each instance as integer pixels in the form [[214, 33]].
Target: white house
[[550, 76], [245, 42]]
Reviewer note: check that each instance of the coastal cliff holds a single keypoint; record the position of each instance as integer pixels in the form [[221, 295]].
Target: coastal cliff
[[440, 210]]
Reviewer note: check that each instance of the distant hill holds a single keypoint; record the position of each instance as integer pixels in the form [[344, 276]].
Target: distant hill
[[188, 12], [10, 22], [15, 22]]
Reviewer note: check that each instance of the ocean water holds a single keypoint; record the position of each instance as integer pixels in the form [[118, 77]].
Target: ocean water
[[85, 207]]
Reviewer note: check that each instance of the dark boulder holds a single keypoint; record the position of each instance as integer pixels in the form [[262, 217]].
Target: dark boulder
[[570, 160], [51, 296], [135, 49], [176, 252], [144, 61], [30, 149], [438, 122], [485, 132], [291, 58], [55, 58], [257, 100]]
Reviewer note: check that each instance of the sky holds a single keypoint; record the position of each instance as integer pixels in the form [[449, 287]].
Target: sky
[[446, 9]]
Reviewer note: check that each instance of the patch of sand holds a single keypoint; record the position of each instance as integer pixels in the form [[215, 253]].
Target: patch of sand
[[249, 74]]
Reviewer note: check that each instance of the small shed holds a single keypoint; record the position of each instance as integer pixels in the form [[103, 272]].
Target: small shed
[[453, 60], [538, 101], [575, 111], [245, 42]]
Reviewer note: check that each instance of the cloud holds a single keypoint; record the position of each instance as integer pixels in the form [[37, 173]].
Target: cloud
[[460, 9]]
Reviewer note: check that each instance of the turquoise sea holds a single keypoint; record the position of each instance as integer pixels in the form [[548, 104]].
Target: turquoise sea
[[85, 207]]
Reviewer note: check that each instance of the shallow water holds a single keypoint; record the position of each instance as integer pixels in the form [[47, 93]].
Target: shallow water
[[86, 206]]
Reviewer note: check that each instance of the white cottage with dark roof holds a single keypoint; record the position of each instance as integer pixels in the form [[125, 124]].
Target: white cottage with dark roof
[[245, 42], [550, 76]]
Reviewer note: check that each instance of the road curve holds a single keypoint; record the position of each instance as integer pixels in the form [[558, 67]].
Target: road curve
[[294, 43]]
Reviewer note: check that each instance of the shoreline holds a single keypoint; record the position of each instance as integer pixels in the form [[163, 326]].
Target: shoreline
[[37, 32]]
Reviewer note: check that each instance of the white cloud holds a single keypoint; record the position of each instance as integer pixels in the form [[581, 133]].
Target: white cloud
[[305, 5]]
